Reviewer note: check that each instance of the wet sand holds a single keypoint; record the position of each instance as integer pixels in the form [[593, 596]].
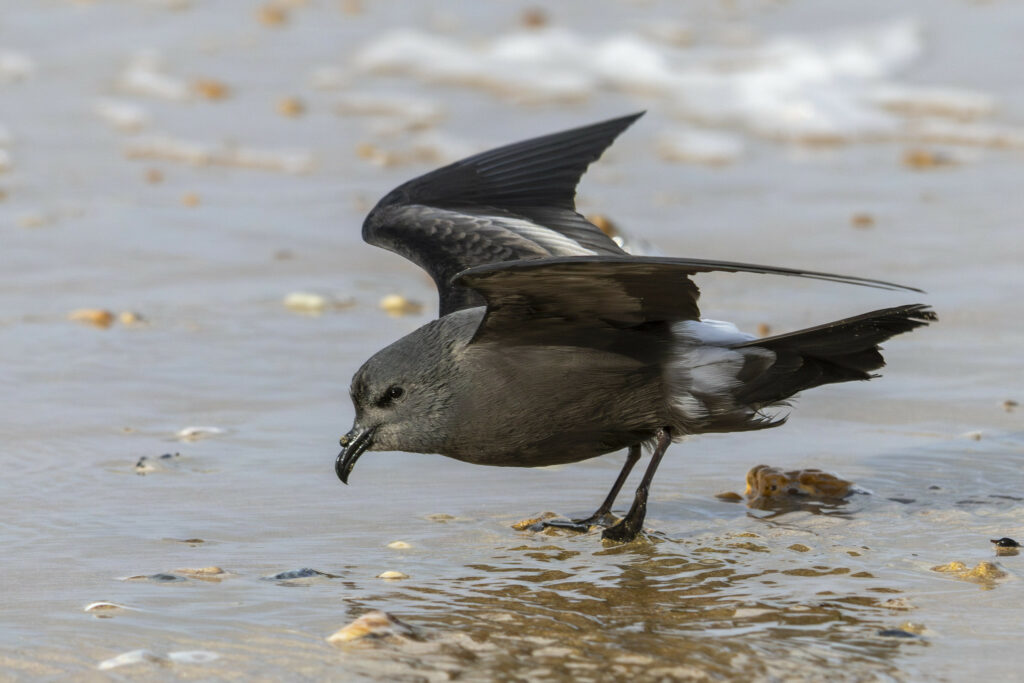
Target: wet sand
[[251, 200]]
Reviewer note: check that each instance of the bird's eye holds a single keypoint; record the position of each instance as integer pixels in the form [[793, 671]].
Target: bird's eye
[[390, 396]]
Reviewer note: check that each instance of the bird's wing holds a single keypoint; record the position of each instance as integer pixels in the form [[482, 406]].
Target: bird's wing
[[512, 203], [532, 301]]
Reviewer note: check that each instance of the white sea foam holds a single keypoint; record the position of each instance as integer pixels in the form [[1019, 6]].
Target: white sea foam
[[833, 87]]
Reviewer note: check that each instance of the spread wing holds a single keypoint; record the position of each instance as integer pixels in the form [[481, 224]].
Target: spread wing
[[512, 203], [549, 300]]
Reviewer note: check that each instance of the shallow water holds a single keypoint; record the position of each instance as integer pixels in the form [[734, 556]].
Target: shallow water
[[716, 591]]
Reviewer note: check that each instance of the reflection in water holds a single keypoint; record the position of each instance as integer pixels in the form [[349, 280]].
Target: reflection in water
[[650, 610]]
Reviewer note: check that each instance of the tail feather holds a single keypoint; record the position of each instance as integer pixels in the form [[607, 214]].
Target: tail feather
[[839, 351]]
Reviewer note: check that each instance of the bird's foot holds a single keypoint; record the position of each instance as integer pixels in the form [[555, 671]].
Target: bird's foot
[[625, 531], [599, 518]]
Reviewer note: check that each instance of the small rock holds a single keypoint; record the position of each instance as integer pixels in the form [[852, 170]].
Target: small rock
[[441, 517], [156, 578], [763, 329], [984, 572], [146, 464], [97, 317], [398, 305], [154, 176], [729, 497], [196, 433], [399, 545], [210, 89], [767, 486], [973, 436], [862, 220], [1006, 542], [392, 575], [896, 633], [131, 318], [1009, 404], [211, 573], [272, 15], [304, 573], [306, 302], [798, 547], [132, 657], [898, 604], [192, 656], [103, 608], [375, 624], [534, 17], [924, 159], [190, 199], [291, 107]]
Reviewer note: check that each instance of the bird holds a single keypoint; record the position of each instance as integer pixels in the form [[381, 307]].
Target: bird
[[553, 345]]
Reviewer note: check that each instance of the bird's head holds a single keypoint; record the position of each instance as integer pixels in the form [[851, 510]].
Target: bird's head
[[403, 398]]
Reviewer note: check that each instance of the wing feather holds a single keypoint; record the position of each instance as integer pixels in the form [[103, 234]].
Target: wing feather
[[512, 203]]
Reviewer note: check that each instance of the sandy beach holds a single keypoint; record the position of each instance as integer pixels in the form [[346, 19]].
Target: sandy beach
[[173, 172]]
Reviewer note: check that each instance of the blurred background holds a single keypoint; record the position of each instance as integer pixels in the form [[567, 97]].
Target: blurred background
[[184, 296]]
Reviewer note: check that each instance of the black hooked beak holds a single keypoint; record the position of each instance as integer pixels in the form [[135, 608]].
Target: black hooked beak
[[353, 445]]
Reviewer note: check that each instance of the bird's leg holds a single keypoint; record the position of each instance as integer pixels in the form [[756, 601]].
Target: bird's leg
[[632, 524], [603, 515]]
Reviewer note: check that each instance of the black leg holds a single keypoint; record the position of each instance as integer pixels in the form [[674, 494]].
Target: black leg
[[633, 523], [602, 516]]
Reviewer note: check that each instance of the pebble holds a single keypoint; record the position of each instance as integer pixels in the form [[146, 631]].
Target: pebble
[[1009, 404], [125, 116], [211, 573], [767, 484], [304, 573], [196, 433], [190, 199], [147, 656], [896, 633], [729, 497], [133, 657], [103, 607], [398, 305], [375, 624], [984, 572], [399, 545], [210, 88], [306, 302], [291, 107], [392, 575], [924, 159], [862, 220], [272, 15], [146, 464], [97, 317], [131, 318], [161, 577], [763, 329], [900, 604], [441, 517]]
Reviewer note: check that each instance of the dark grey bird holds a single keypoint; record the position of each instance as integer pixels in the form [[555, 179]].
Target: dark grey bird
[[553, 345]]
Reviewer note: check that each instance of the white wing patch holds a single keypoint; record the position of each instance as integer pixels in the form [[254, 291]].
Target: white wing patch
[[554, 242]]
